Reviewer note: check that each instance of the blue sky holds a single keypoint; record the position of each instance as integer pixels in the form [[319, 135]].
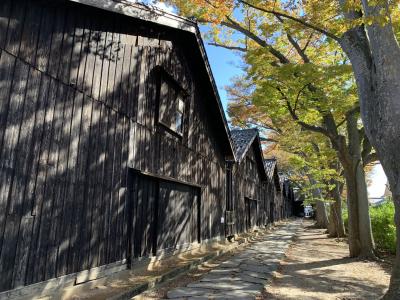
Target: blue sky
[[225, 64]]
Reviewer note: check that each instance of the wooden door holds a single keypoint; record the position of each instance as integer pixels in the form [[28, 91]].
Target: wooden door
[[143, 208], [253, 213], [178, 219], [164, 215], [247, 213]]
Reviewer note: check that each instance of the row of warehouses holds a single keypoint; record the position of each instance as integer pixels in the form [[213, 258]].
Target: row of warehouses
[[114, 146]]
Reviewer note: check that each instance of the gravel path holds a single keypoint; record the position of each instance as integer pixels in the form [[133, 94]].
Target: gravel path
[[244, 275]]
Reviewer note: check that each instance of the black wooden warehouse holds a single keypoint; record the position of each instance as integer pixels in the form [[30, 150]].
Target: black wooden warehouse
[[247, 183], [274, 189], [113, 140]]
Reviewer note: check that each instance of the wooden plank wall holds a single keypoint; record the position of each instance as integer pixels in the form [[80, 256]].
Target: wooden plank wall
[[248, 184], [75, 84], [190, 158], [164, 215]]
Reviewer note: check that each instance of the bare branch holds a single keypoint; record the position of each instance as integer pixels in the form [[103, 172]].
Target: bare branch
[[308, 42], [341, 123], [241, 49]]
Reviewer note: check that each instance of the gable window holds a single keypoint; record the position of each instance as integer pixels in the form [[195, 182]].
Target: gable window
[[171, 106]]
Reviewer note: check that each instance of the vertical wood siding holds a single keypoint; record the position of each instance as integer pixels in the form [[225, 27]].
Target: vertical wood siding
[[247, 184], [77, 109]]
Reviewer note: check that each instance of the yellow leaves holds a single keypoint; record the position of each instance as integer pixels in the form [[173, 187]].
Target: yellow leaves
[[213, 11], [312, 116], [351, 5]]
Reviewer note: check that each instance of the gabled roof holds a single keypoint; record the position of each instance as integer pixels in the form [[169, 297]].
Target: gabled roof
[[243, 140], [163, 18], [271, 168]]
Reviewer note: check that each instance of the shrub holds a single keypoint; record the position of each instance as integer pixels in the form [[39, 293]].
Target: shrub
[[383, 228]]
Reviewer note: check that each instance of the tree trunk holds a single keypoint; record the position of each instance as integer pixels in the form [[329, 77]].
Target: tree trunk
[[361, 242], [357, 174], [336, 226], [394, 286], [375, 56], [332, 228], [365, 228], [353, 222], [359, 231], [322, 216]]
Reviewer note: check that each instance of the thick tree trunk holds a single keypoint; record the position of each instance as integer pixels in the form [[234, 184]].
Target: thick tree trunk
[[375, 58], [349, 153], [361, 242], [359, 231], [336, 226]]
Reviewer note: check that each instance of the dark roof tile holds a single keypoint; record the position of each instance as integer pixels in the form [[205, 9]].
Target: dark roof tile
[[242, 140]]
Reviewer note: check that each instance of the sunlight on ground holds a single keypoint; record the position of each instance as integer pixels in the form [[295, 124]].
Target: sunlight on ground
[[319, 268]]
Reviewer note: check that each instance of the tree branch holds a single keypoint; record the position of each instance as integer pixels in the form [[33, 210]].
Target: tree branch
[[304, 125], [241, 49], [298, 96], [296, 45], [300, 21], [234, 25], [308, 42], [265, 126], [352, 111]]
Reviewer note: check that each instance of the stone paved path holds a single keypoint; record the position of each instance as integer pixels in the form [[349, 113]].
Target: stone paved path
[[245, 274]]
